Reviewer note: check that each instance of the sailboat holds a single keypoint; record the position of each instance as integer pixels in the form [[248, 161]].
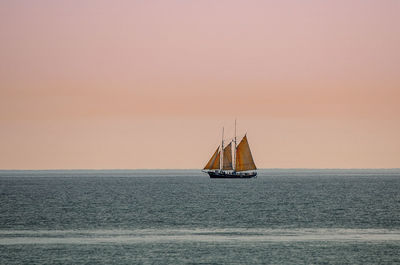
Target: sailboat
[[221, 164]]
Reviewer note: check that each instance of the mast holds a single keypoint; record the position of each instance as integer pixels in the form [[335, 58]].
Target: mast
[[222, 151], [234, 152]]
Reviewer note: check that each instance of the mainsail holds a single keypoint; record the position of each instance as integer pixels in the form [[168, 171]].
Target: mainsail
[[244, 159], [213, 160], [227, 163]]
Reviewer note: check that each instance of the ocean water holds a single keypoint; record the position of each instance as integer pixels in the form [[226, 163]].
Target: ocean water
[[184, 217]]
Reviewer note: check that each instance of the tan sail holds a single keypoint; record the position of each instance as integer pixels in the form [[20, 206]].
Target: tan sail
[[244, 159], [217, 161], [227, 163], [212, 160]]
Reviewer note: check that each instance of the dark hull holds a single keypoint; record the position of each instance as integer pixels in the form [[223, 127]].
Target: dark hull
[[231, 175]]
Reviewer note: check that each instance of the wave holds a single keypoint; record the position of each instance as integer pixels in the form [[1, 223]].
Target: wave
[[229, 235]]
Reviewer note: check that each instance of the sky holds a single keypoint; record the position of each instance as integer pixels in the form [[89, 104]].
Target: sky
[[150, 84]]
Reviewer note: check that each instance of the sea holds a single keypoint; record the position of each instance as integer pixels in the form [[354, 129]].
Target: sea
[[284, 216]]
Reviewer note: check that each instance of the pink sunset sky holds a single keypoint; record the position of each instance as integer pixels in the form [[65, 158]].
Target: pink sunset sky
[[149, 84]]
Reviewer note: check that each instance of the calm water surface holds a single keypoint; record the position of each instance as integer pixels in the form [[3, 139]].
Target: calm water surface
[[180, 217]]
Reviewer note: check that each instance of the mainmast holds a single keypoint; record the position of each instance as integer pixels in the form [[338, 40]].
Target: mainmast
[[234, 152], [222, 151]]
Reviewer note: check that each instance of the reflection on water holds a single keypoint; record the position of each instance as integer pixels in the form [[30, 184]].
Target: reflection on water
[[197, 235]]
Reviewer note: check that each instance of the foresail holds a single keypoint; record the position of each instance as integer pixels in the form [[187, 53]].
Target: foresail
[[244, 159], [217, 161], [227, 163], [212, 160]]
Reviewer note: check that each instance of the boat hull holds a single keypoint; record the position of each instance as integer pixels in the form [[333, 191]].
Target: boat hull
[[231, 175]]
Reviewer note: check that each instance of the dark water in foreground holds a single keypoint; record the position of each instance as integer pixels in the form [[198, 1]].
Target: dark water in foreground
[[179, 217]]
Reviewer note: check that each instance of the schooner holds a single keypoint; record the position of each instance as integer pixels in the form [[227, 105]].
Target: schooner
[[221, 164]]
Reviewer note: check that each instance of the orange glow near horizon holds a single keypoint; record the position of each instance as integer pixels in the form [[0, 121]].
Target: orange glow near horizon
[[149, 84]]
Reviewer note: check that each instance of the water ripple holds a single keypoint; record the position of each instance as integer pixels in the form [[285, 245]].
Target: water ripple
[[12, 237]]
